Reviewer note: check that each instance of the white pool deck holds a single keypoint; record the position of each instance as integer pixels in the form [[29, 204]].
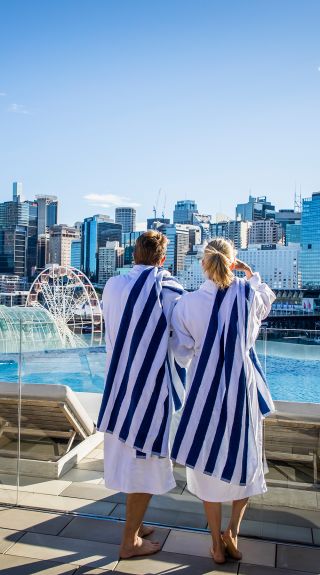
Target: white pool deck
[[74, 524]]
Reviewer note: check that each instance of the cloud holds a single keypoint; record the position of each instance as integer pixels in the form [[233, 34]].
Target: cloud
[[2, 94], [18, 109], [110, 201]]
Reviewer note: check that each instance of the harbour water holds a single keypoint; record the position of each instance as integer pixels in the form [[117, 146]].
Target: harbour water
[[292, 369]]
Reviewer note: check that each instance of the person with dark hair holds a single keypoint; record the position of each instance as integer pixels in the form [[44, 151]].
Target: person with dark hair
[[143, 386], [219, 437]]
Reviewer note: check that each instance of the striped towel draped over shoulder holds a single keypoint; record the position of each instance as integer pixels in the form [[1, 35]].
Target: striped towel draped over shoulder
[[141, 384], [227, 397]]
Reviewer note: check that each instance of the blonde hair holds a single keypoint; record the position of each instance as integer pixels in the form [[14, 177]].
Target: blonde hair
[[150, 248], [218, 257]]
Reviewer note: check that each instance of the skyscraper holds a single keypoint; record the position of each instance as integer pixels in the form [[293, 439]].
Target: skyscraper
[[110, 258], [17, 192], [61, 238], [96, 231], [47, 213], [265, 232], [310, 241], [255, 209], [127, 218], [183, 212]]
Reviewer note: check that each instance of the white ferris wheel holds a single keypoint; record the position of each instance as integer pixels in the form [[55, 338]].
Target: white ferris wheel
[[72, 302]]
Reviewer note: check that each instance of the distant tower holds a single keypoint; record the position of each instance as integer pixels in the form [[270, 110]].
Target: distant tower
[[183, 212], [17, 192], [127, 218]]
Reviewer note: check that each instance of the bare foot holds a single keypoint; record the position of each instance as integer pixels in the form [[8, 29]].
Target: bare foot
[[231, 543], [141, 547], [145, 530], [218, 555]]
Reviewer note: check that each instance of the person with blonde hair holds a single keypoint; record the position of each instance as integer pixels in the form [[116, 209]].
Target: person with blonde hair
[[141, 390], [219, 436]]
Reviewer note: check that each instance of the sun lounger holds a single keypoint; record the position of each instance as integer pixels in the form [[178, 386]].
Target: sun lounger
[[55, 430], [293, 434]]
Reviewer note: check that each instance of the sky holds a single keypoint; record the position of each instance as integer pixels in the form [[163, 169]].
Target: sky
[[104, 102]]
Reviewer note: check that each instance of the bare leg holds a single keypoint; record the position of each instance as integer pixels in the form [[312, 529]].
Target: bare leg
[[213, 513], [132, 544], [230, 535], [145, 530]]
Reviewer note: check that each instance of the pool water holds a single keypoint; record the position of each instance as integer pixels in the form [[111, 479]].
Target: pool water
[[292, 370]]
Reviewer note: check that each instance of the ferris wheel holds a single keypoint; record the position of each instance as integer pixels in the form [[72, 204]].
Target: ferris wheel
[[72, 302]]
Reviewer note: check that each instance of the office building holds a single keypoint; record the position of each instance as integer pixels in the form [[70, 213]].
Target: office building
[[61, 238], [204, 223], [76, 254], [181, 238], [293, 233], [13, 250], [285, 218], [47, 213], [183, 212], [153, 223], [128, 243], [127, 218], [43, 251], [265, 232], [310, 241], [255, 209], [96, 232], [110, 259], [279, 266], [192, 276], [17, 192], [235, 230]]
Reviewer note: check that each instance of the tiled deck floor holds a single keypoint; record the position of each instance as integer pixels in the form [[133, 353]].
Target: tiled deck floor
[[56, 543]]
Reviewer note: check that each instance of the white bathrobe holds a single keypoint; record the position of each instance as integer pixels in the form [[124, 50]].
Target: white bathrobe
[[139, 395], [219, 437]]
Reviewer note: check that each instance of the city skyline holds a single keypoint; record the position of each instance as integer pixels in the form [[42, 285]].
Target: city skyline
[[104, 103]]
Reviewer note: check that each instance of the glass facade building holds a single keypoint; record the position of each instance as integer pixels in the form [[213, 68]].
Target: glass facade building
[[310, 241], [255, 209], [183, 212], [76, 254], [96, 232], [127, 218]]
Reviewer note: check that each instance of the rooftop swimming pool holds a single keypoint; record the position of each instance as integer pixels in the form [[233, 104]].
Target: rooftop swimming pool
[[292, 369]]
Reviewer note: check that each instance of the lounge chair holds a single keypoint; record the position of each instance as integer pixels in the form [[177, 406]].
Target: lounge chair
[[55, 430], [292, 433]]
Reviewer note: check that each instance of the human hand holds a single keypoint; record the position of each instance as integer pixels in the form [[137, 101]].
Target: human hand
[[243, 267]]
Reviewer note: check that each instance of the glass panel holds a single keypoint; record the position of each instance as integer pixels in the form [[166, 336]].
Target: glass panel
[[10, 387], [62, 375]]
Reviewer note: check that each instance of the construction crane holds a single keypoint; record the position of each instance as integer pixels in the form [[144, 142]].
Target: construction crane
[[164, 206], [155, 207]]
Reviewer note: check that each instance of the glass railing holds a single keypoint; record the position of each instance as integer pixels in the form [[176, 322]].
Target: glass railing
[[51, 385]]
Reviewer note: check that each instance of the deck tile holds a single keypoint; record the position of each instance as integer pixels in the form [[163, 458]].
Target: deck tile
[[165, 563], [22, 520], [25, 566], [66, 550], [298, 558]]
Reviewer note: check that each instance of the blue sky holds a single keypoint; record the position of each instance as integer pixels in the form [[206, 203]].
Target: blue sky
[[109, 99]]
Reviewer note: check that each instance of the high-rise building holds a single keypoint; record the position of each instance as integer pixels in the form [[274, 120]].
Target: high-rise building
[[310, 241], [96, 232], [181, 238], [110, 259], [265, 232], [13, 250], [293, 233], [255, 209], [32, 248], [61, 238], [43, 251], [17, 192], [192, 276], [286, 218], [183, 212], [204, 223], [76, 254], [153, 223], [128, 242], [47, 213], [279, 266], [235, 230], [127, 218]]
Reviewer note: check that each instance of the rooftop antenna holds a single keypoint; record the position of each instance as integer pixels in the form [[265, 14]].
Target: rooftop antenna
[[155, 207], [297, 201]]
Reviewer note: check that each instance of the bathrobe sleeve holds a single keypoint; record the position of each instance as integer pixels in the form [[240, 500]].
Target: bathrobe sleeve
[[262, 300], [182, 341]]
